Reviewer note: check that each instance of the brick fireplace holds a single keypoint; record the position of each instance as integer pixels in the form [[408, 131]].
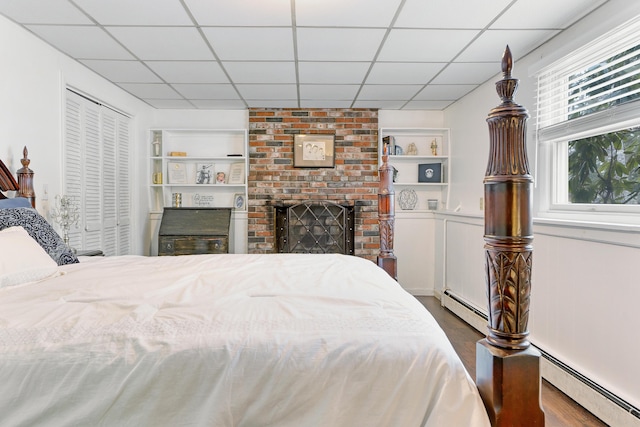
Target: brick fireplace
[[274, 181]]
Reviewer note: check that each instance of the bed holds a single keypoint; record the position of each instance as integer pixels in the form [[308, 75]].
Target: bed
[[215, 340], [219, 340]]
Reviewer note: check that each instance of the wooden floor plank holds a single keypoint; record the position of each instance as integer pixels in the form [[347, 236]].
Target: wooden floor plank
[[559, 409]]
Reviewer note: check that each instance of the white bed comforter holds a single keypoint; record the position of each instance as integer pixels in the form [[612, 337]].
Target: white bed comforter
[[227, 340]]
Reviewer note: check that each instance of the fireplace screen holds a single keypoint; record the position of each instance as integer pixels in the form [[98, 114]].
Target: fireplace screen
[[315, 227]]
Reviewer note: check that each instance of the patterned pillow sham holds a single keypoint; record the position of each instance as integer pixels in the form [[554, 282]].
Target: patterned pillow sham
[[40, 230]]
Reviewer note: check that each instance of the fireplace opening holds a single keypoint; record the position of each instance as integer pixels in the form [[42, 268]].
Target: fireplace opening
[[315, 227]]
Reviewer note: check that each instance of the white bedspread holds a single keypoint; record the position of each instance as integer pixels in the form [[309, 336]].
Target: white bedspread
[[227, 340]]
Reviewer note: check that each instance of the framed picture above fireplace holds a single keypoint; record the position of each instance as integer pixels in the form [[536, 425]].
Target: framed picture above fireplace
[[313, 151]]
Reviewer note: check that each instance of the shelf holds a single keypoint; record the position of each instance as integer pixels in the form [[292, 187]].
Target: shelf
[[418, 147], [420, 184]]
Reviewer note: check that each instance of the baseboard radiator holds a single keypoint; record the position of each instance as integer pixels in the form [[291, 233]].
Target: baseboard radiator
[[601, 402]]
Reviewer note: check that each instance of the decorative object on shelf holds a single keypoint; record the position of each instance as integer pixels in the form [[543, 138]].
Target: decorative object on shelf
[[313, 151], [177, 173], [156, 145], [203, 200], [176, 200], [430, 172], [238, 201], [221, 177], [395, 173], [157, 178], [434, 147], [389, 145], [177, 153], [236, 173], [407, 199], [412, 149], [399, 151], [65, 214], [204, 172], [432, 204]]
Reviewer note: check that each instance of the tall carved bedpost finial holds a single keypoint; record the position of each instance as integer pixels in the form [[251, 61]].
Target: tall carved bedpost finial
[[25, 179], [508, 189], [507, 367], [386, 216]]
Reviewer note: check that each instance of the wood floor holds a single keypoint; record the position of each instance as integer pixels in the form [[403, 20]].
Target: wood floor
[[560, 410]]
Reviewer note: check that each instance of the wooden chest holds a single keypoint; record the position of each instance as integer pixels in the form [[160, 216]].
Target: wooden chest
[[188, 231]]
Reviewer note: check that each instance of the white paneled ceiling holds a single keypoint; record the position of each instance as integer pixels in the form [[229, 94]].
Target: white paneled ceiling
[[222, 54]]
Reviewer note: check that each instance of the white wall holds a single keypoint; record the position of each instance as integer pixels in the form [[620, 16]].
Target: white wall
[[585, 289], [34, 78]]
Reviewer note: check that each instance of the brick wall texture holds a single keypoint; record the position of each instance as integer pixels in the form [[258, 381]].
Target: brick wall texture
[[273, 178]]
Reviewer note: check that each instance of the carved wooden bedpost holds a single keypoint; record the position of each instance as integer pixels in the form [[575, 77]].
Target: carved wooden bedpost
[[508, 368], [386, 216], [25, 179]]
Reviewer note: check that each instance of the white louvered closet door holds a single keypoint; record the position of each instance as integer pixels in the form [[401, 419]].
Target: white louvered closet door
[[96, 173]]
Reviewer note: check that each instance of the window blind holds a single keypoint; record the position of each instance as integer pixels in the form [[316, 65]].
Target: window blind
[[592, 87]]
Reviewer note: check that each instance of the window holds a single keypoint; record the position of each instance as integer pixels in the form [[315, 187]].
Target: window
[[588, 119], [96, 174]]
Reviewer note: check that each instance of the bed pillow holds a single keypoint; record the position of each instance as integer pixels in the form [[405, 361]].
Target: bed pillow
[[40, 230], [22, 260], [16, 202]]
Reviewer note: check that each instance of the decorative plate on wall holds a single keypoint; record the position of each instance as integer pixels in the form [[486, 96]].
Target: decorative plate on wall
[[407, 199]]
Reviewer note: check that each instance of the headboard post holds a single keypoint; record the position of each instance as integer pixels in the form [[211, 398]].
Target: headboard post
[[386, 216], [25, 179], [507, 367]]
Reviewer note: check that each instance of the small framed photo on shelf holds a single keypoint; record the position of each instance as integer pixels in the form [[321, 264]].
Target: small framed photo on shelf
[[177, 172], [314, 151], [204, 173], [430, 172], [239, 201], [236, 173]]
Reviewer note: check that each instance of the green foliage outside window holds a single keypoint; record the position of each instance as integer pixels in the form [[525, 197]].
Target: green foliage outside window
[[604, 169]]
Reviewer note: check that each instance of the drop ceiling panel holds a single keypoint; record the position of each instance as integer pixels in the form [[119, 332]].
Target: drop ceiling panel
[[41, 12], [467, 73], [395, 54], [244, 13], [406, 72], [527, 14], [340, 13], [332, 72], [151, 91], [426, 105], [206, 91], [219, 104], [122, 71], [491, 44], [443, 92], [261, 72], [450, 14], [251, 44], [138, 12], [338, 44], [324, 92], [257, 92], [388, 92], [425, 45], [82, 42], [189, 71], [163, 43]]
